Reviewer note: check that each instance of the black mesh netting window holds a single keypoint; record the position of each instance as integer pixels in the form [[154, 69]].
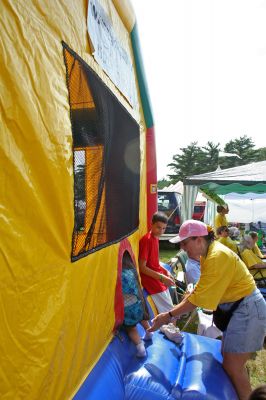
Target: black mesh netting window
[[106, 147]]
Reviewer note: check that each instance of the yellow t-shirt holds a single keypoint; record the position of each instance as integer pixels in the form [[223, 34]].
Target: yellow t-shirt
[[220, 220], [257, 251], [250, 258], [228, 242], [224, 278]]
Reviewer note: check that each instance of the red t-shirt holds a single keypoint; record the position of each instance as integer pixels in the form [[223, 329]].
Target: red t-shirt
[[149, 251]]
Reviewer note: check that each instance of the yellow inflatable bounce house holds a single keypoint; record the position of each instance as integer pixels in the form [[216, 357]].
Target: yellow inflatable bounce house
[[78, 190], [78, 186]]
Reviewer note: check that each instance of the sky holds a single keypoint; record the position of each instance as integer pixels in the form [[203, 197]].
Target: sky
[[205, 65]]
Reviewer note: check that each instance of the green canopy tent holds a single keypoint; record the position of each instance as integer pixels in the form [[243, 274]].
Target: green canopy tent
[[243, 179]]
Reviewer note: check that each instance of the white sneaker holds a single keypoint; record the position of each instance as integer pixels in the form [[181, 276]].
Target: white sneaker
[[141, 351], [172, 332], [147, 336], [165, 327]]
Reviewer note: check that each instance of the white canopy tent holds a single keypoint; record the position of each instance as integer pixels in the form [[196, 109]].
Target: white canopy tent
[[246, 208], [179, 188], [241, 180]]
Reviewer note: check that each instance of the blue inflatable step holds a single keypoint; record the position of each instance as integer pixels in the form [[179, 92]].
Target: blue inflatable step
[[191, 370]]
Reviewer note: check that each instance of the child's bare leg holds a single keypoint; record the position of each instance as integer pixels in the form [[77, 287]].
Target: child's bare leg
[[133, 334], [135, 338], [145, 324]]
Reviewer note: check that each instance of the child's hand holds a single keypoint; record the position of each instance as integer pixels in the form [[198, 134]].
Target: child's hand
[[168, 281]]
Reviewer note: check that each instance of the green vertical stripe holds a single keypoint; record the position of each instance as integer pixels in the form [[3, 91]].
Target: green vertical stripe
[[143, 87]]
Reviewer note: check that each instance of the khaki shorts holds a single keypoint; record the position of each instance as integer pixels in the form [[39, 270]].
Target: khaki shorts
[[247, 327]]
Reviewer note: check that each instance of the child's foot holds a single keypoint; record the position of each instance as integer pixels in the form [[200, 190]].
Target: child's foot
[[141, 351], [148, 336]]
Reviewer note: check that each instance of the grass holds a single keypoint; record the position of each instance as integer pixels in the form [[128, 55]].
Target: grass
[[167, 251], [256, 366]]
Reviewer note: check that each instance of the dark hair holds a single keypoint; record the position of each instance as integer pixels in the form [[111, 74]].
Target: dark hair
[[221, 208], [211, 235], [159, 217], [253, 234], [221, 229], [259, 393]]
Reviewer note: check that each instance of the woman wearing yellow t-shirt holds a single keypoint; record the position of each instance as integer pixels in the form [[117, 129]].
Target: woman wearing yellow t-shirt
[[224, 280], [223, 237], [255, 248], [252, 261], [220, 218]]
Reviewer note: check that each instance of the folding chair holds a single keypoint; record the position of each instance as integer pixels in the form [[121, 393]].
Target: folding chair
[[260, 280], [182, 258], [263, 292], [181, 286], [175, 291]]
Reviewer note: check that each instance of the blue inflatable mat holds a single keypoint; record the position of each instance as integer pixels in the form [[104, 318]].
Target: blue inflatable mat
[[191, 370]]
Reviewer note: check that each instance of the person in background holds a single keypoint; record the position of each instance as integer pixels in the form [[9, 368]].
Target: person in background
[[220, 219], [260, 234], [252, 261], [224, 280], [259, 393], [255, 248], [192, 267], [234, 233], [154, 277], [223, 237]]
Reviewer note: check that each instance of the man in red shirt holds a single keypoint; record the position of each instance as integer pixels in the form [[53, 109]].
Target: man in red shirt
[[154, 278]]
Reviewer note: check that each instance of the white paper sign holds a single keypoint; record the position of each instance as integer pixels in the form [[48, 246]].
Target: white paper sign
[[109, 52]]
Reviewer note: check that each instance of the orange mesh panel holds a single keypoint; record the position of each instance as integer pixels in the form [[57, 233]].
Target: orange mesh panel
[[94, 157], [79, 91], [94, 162], [81, 98]]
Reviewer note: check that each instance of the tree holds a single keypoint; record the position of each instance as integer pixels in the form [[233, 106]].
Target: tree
[[80, 197], [211, 151], [261, 154], [162, 183], [194, 160], [187, 163], [244, 147], [79, 183]]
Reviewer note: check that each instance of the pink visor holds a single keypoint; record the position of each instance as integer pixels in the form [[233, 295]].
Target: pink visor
[[190, 228]]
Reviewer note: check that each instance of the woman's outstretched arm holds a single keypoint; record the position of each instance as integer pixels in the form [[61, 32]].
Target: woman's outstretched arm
[[164, 318]]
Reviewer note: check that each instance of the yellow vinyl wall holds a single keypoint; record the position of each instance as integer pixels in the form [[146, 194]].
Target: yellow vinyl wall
[[56, 316]]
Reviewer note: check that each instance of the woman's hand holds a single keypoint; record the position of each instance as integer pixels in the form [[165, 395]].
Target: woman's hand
[[158, 321]]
